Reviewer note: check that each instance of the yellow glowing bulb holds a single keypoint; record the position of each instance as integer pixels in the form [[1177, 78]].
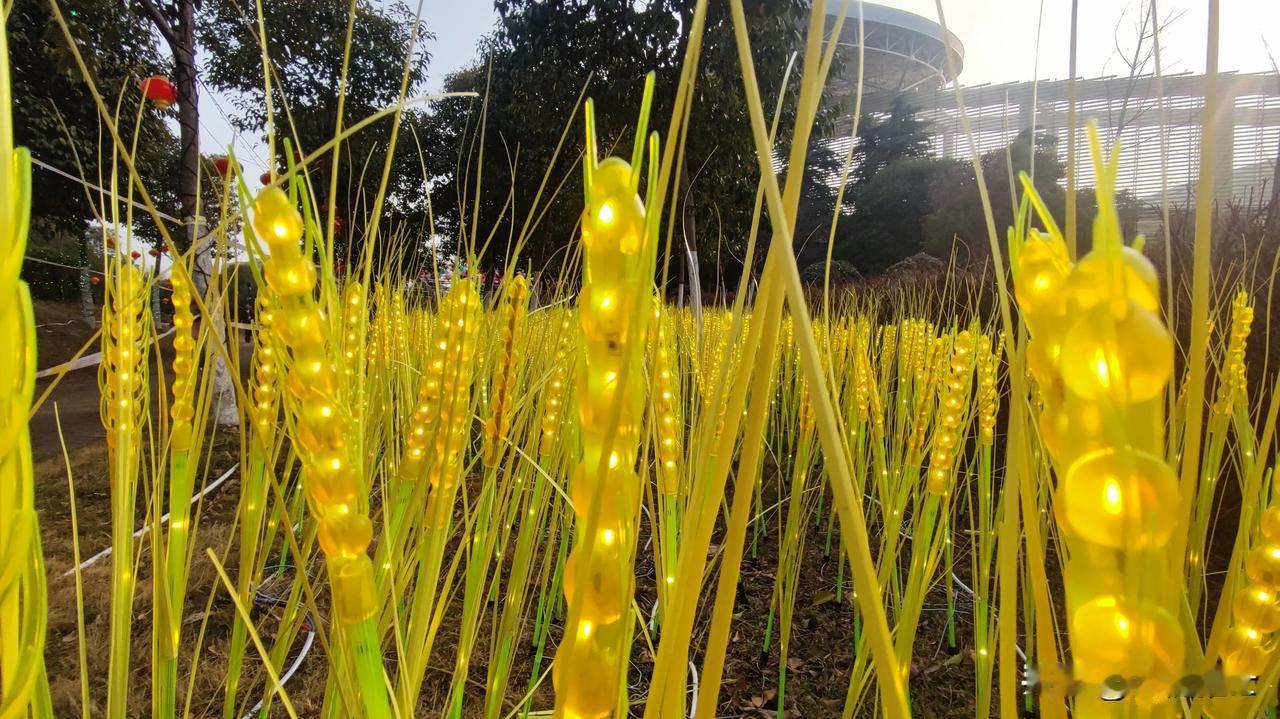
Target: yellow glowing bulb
[[606, 213], [1122, 624], [1100, 368], [585, 628], [1113, 501], [607, 536]]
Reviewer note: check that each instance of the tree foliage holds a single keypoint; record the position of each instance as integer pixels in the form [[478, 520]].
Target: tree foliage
[[533, 70], [56, 118], [306, 50], [956, 221], [901, 200], [899, 135], [881, 209]]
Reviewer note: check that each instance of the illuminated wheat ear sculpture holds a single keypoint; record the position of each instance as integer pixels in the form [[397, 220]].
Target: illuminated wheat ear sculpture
[[1102, 357], [23, 605], [619, 241], [514, 307], [322, 439]]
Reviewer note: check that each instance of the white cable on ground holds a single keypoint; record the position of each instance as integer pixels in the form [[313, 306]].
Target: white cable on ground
[[693, 702], [147, 527], [293, 668]]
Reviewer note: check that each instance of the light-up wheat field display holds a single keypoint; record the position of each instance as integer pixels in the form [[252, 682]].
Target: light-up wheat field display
[[559, 488]]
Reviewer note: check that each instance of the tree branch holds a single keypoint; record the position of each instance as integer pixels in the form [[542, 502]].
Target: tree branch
[[161, 22]]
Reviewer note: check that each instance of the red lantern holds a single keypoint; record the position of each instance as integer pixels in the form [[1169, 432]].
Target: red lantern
[[222, 164], [153, 252], [337, 224], [265, 178], [164, 249], [159, 91], [135, 254], [95, 280]]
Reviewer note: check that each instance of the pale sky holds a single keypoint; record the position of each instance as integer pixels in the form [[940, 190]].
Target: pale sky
[[999, 38]]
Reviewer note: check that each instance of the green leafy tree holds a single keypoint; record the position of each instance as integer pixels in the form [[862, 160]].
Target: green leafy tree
[[879, 221], [175, 21], [892, 208], [883, 140], [56, 118], [901, 200], [533, 70], [307, 48], [956, 222]]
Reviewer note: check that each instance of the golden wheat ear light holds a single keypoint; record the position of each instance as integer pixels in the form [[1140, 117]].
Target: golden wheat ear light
[[1233, 387], [122, 377], [668, 435], [952, 397], [618, 255], [264, 410], [1104, 358], [514, 307], [23, 602], [323, 430], [451, 364], [182, 469], [557, 388]]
